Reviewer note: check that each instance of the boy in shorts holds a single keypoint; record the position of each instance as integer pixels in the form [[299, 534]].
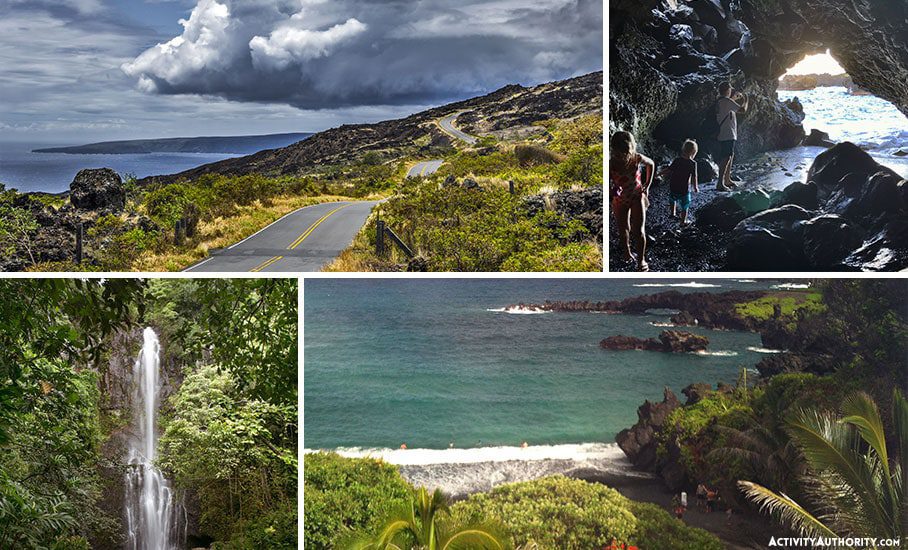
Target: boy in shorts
[[682, 178]]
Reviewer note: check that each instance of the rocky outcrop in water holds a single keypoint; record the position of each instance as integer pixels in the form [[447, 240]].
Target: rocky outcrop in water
[[667, 56], [651, 446], [706, 309], [639, 441], [852, 214], [669, 341]]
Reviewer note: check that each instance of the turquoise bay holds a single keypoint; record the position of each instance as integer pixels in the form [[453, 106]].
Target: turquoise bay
[[430, 363]]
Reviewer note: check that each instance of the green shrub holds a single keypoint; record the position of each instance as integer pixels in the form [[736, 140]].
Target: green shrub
[[342, 493], [276, 530], [657, 529], [533, 155], [558, 513]]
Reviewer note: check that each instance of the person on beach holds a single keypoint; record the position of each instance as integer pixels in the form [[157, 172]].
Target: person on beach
[[711, 501], [682, 174], [701, 496], [630, 176], [730, 103]]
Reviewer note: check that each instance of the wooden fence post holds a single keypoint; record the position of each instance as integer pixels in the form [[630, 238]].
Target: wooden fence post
[[379, 238], [511, 186], [79, 236], [178, 233]]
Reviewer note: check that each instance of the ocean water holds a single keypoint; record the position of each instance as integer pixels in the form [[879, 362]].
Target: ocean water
[[437, 365], [868, 121], [53, 172]]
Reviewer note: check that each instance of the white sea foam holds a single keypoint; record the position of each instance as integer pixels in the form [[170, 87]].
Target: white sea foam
[[519, 310], [463, 471], [472, 455], [791, 286], [764, 350], [666, 325], [745, 281], [692, 284], [717, 353]]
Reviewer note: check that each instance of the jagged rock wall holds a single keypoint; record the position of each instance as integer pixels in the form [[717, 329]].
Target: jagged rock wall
[[668, 56]]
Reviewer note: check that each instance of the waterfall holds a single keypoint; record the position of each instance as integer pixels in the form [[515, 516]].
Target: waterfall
[[153, 519]]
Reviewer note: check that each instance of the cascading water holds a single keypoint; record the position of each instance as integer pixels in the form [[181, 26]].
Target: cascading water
[[152, 514]]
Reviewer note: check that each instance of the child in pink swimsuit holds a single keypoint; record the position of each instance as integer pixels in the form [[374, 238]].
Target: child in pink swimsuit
[[628, 189]]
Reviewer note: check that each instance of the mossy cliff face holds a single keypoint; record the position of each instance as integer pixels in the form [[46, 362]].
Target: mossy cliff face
[[667, 58]]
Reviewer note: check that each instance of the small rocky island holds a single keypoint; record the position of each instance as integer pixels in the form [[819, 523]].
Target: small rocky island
[[669, 341]]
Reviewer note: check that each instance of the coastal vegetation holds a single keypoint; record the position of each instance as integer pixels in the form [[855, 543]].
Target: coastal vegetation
[[346, 496], [464, 216], [228, 411], [818, 440]]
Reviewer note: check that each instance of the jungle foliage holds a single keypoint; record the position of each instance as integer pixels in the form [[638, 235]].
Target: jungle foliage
[[230, 438]]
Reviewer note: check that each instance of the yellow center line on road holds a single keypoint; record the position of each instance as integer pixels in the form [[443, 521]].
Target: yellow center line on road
[[266, 263], [423, 171], [312, 227]]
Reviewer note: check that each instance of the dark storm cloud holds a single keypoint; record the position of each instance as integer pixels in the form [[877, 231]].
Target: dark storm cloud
[[318, 54]]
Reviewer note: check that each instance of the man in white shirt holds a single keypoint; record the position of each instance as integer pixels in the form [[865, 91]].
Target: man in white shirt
[[729, 104]]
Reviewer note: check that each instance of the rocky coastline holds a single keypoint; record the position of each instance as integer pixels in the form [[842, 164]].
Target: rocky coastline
[[669, 341], [714, 310]]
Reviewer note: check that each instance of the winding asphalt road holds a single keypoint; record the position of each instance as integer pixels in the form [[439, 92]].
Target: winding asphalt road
[[447, 124], [304, 240], [427, 167], [424, 168]]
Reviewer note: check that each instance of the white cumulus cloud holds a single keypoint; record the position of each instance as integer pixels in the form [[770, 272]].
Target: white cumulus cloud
[[201, 47], [318, 54], [294, 42]]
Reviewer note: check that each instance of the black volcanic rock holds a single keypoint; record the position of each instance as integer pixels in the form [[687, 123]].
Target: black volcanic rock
[[666, 61], [669, 341], [97, 189], [638, 442]]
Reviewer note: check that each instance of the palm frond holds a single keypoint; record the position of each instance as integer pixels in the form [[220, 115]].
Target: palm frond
[[861, 412], [829, 445], [787, 510], [474, 537]]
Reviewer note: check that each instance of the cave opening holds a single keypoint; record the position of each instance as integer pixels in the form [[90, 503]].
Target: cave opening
[[836, 109]]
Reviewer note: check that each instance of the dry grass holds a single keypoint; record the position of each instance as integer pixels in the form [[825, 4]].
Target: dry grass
[[222, 232]]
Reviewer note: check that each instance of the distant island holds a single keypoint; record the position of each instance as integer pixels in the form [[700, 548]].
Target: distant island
[[800, 82], [242, 145]]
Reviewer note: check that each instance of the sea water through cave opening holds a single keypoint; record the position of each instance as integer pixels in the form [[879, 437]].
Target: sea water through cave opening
[[835, 105]]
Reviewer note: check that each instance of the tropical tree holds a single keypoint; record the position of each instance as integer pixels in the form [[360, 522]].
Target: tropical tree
[[765, 446], [424, 523], [858, 487]]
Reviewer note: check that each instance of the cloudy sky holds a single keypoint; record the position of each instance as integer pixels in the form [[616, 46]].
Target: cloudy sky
[[87, 70]]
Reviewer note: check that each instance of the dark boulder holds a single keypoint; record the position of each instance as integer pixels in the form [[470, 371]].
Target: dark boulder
[[832, 165], [97, 189], [470, 183], [707, 170], [799, 194], [829, 239], [769, 241], [818, 138], [722, 212], [885, 250]]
